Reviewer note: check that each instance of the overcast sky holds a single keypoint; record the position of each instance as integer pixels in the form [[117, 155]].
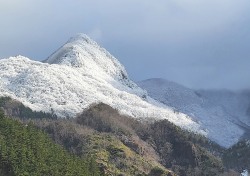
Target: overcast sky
[[197, 43]]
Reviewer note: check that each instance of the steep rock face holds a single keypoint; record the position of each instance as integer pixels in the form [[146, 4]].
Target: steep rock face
[[77, 75], [222, 112]]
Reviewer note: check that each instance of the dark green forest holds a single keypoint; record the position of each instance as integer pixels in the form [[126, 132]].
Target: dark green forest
[[25, 150]]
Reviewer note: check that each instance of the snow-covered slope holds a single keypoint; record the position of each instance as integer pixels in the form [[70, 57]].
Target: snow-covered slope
[[76, 75], [170, 93], [82, 52], [222, 112]]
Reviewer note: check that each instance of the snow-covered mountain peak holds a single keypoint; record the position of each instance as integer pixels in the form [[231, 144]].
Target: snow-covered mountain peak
[[81, 73], [80, 37], [83, 53]]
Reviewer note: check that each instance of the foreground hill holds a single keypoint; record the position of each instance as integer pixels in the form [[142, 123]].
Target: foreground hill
[[123, 145]]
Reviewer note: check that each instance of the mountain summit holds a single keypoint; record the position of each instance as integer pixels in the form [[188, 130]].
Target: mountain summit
[[82, 52], [81, 73]]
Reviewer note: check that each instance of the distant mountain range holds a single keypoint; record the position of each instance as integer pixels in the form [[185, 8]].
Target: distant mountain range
[[81, 73], [222, 111]]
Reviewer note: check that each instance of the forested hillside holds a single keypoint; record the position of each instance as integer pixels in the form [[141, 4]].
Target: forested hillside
[[36, 143], [25, 150]]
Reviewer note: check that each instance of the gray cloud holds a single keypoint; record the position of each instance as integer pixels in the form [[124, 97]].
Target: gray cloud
[[201, 44]]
